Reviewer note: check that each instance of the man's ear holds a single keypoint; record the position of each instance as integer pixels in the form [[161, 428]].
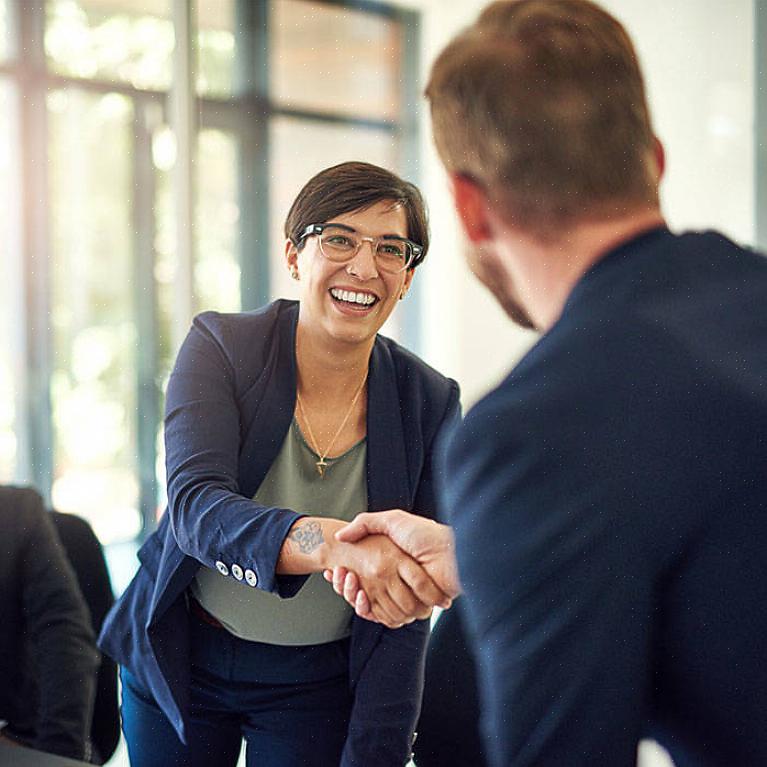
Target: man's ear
[[660, 157], [472, 207]]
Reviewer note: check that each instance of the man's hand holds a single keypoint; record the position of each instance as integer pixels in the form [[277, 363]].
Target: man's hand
[[428, 543]]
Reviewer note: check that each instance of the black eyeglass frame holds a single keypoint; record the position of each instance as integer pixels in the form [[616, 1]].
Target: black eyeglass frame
[[415, 248]]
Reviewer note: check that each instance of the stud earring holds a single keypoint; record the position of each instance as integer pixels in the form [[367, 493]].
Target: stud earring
[[294, 272]]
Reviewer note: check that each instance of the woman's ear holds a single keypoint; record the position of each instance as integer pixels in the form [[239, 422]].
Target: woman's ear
[[409, 274], [291, 257]]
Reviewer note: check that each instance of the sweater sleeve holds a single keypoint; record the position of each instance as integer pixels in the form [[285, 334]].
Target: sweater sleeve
[[559, 610]]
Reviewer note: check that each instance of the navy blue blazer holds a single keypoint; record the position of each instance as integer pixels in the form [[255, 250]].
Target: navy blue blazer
[[230, 403], [610, 506]]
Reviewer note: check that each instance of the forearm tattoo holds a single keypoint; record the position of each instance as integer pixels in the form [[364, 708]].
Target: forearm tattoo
[[307, 536]]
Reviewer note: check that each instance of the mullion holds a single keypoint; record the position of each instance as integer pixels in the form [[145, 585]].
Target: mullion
[[252, 117], [37, 420], [410, 138], [145, 307]]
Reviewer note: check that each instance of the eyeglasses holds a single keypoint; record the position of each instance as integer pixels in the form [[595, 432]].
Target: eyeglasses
[[341, 243]]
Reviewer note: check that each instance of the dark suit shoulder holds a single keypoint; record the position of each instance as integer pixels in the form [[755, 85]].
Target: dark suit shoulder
[[587, 390], [75, 531], [23, 521], [20, 500], [86, 556], [21, 512]]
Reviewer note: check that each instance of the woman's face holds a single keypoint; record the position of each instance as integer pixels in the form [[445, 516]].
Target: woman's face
[[323, 282]]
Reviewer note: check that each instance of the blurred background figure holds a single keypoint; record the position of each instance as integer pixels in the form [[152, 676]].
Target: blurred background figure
[[48, 658], [86, 556]]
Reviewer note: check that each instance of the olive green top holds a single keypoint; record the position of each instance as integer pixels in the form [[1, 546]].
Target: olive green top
[[316, 614]]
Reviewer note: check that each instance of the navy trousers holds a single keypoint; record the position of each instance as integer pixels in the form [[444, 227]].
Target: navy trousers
[[290, 704]]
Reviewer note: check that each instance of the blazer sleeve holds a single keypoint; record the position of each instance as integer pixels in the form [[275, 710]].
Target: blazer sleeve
[[211, 520], [387, 699], [64, 655]]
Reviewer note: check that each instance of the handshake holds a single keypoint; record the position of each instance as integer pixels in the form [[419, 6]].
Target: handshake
[[397, 569]]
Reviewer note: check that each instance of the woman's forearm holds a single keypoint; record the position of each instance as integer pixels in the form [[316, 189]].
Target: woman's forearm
[[308, 546]]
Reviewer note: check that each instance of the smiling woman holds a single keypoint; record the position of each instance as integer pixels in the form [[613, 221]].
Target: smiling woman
[[345, 238], [281, 425]]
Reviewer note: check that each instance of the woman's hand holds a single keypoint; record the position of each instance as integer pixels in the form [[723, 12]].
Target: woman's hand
[[389, 578], [428, 542]]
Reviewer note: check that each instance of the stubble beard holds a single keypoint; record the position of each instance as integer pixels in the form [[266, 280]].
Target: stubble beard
[[486, 268]]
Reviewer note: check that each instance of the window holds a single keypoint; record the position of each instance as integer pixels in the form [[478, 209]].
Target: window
[[94, 334], [125, 41], [5, 35], [215, 48], [313, 48], [279, 89], [217, 265]]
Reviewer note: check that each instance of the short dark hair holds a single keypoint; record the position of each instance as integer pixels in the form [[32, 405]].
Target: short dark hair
[[353, 186], [542, 103]]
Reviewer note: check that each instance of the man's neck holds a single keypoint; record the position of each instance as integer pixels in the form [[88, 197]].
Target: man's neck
[[544, 273]]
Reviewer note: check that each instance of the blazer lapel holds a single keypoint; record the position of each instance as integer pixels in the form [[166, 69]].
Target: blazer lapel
[[274, 406], [388, 474]]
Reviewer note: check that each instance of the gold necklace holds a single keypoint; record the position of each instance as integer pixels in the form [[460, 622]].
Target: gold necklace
[[322, 464]]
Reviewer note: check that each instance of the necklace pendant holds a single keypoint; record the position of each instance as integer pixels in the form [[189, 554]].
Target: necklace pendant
[[321, 466]]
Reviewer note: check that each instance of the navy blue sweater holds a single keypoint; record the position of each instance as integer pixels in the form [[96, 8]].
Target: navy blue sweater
[[610, 505]]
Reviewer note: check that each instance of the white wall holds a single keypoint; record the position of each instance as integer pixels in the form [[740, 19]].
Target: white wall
[[465, 334], [698, 60]]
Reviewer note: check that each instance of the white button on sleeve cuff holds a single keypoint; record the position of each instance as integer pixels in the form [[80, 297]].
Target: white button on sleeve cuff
[[222, 568], [251, 578], [237, 572]]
